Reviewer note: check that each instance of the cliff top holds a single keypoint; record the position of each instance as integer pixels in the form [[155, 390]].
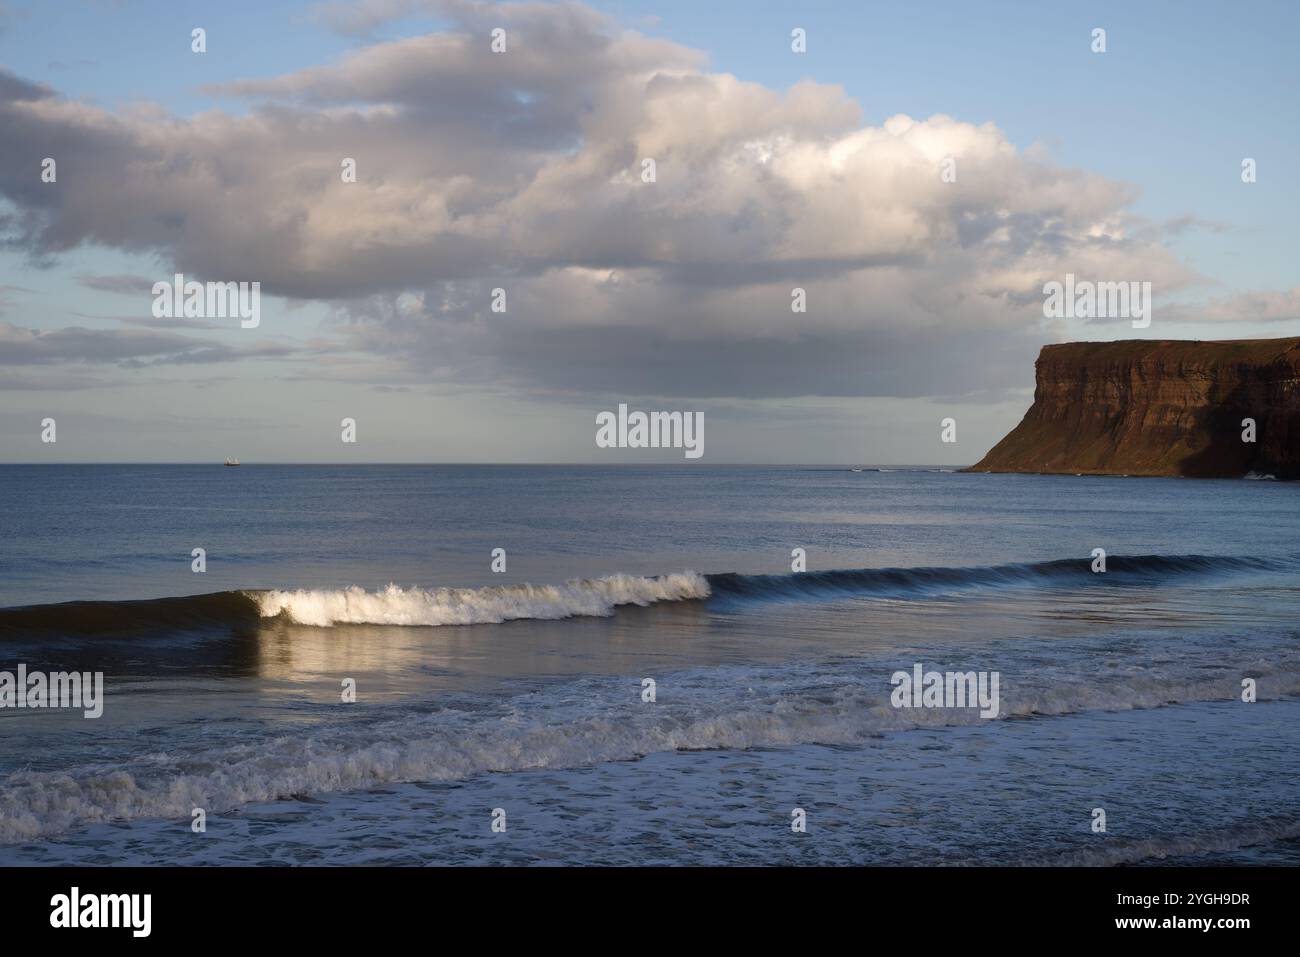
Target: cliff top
[[1262, 351]]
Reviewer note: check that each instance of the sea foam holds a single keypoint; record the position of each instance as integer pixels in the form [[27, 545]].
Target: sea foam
[[476, 606], [576, 724]]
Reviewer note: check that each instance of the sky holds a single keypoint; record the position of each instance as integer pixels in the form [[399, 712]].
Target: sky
[[524, 171]]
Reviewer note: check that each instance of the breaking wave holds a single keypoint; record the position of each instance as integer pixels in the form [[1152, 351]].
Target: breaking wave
[[478, 606], [395, 605]]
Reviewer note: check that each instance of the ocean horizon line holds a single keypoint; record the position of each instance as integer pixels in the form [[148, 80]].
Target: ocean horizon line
[[612, 465]]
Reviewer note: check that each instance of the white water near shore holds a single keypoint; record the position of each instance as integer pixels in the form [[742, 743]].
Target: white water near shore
[[569, 724], [1018, 792]]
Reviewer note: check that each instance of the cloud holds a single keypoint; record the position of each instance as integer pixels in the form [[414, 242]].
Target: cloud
[[214, 325], [48, 382], [125, 285], [17, 90], [1272, 306], [129, 348], [1187, 223], [523, 171], [8, 293]]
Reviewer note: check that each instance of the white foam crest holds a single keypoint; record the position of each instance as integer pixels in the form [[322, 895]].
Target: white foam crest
[[477, 606], [539, 732]]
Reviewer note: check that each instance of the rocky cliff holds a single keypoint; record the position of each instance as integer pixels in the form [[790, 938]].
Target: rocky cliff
[[1152, 407]]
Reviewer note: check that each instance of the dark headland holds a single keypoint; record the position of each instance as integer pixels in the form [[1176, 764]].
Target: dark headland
[[1159, 407]]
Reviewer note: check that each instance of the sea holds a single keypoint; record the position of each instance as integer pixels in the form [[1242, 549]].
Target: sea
[[647, 665]]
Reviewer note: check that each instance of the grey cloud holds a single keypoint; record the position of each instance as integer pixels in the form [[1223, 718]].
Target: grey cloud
[[1258, 306], [880, 363], [23, 346], [523, 171], [214, 352], [165, 323], [15, 89], [129, 348], [126, 285], [901, 352], [8, 293], [1187, 223], [49, 381]]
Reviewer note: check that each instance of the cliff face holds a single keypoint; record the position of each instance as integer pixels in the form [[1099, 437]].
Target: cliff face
[[1150, 407]]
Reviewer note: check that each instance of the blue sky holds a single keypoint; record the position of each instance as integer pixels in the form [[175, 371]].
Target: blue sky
[[1183, 93]]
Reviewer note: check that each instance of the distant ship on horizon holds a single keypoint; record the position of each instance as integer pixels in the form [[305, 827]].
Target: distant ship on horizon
[[232, 461]]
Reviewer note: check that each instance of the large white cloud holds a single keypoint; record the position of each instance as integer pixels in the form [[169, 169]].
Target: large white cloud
[[522, 170]]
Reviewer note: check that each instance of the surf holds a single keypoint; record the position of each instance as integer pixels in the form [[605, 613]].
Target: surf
[[438, 607], [579, 723], [916, 583], [593, 597]]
